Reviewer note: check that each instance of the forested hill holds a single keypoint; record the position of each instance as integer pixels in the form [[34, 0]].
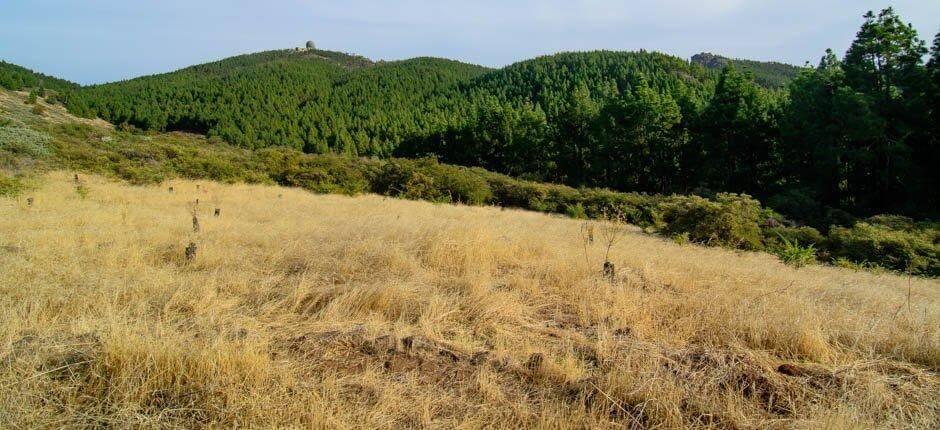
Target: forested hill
[[323, 101], [854, 135], [311, 100], [17, 78], [550, 79], [770, 74]]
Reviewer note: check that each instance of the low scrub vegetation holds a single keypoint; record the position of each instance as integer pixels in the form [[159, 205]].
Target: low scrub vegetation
[[11, 186], [727, 220]]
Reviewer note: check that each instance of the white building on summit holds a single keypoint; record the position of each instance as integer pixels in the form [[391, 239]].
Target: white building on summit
[[310, 45]]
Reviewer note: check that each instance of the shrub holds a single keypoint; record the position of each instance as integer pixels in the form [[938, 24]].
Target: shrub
[[25, 141], [791, 253], [11, 186], [575, 211], [426, 179], [209, 166], [461, 184], [326, 174], [637, 209], [775, 238], [38, 109], [140, 174], [78, 130], [916, 250], [730, 220], [520, 194]]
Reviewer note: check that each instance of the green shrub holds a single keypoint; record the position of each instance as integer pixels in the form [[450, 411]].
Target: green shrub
[[575, 211], [11, 186], [793, 254], [637, 209], [140, 174], [912, 248], [775, 238], [210, 166], [25, 141], [895, 222], [461, 184], [426, 179], [681, 239], [78, 130], [325, 174], [519, 194], [730, 220]]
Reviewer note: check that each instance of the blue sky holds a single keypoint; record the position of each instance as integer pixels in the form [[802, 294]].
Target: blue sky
[[94, 41]]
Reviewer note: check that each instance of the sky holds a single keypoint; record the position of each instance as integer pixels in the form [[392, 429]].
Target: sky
[[96, 41]]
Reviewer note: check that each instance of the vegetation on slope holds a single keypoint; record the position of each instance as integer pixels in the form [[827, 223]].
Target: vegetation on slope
[[729, 220], [304, 311], [855, 136], [316, 101], [770, 74], [13, 77]]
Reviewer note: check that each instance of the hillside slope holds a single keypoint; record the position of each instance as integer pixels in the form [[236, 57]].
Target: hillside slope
[[310, 100], [323, 101], [16, 78], [298, 310], [770, 74], [40, 137]]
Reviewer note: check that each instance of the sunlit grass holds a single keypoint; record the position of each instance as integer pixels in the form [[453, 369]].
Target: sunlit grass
[[300, 310]]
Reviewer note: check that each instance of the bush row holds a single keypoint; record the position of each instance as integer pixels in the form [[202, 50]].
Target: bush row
[[728, 220]]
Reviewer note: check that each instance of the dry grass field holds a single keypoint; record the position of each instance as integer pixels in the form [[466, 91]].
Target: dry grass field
[[309, 311]]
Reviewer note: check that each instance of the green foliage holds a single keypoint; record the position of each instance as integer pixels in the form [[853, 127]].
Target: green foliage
[[859, 131], [11, 186], [575, 211], [778, 238], [324, 174], [13, 77], [791, 253], [314, 101], [426, 179], [914, 248], [25, 141], [730, 220], [768, 74]]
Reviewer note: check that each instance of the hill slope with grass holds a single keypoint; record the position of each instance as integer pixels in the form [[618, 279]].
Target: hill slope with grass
[[174, 280], [290, 309]]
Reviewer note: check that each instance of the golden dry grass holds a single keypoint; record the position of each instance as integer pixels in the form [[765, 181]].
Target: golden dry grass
[[306, 311]]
